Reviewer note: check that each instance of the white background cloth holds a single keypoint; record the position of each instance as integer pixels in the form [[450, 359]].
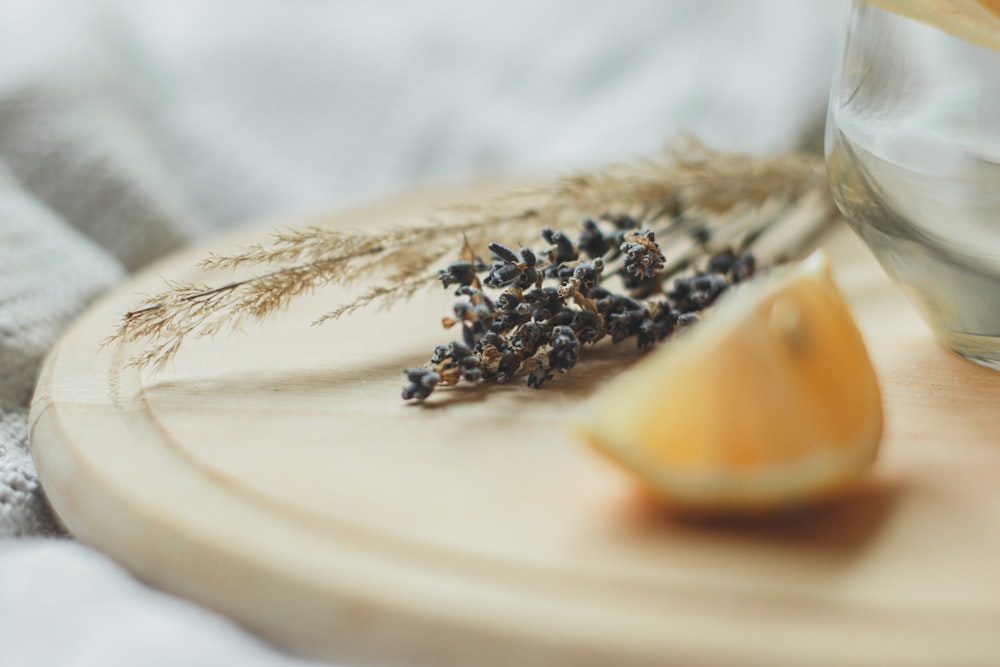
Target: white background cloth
[[129, 127]]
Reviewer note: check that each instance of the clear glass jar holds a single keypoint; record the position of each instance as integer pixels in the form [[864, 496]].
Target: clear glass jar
[[913, 152]]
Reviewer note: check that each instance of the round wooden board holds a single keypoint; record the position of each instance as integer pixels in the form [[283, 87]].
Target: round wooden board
[[277, 476]]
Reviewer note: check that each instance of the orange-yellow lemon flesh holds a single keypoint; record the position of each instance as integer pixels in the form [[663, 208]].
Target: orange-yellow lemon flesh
[[972, 20], [770, 403]]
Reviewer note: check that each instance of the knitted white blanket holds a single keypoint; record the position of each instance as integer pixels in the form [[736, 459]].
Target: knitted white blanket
[[129, 127]]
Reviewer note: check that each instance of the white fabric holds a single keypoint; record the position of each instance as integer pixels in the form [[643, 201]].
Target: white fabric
[[129, 127], [84, 612]]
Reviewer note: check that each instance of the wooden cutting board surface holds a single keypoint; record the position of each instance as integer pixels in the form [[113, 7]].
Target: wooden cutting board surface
[[275, 475]]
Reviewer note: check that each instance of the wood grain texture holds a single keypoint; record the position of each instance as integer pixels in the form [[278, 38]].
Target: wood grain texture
[[277, 476]]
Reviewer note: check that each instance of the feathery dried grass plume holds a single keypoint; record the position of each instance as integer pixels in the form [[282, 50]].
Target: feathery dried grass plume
[[692, 197]]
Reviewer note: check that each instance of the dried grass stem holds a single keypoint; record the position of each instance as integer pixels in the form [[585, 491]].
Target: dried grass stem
[[740, 199]]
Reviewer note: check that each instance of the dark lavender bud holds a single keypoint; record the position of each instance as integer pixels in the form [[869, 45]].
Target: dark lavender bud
[[503, 253]]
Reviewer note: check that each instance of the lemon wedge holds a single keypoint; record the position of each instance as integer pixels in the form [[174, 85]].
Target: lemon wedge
[[770, 403]]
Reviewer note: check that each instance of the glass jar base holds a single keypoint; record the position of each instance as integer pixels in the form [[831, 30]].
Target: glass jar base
[[981, 350]]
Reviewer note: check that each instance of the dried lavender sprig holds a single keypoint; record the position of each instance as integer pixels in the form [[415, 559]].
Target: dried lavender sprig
[[540, 332]]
